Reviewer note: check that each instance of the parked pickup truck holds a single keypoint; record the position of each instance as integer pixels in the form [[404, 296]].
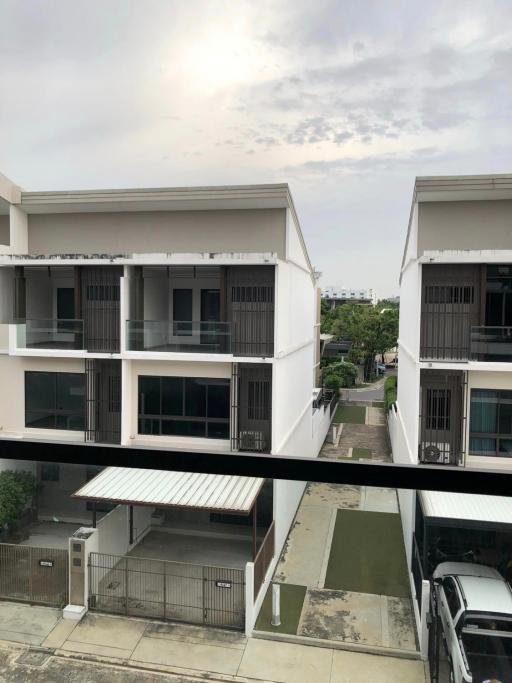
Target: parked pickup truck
[[474, 603]]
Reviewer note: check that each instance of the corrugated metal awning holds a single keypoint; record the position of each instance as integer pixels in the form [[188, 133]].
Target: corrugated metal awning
[[213, 492], [467, 507]]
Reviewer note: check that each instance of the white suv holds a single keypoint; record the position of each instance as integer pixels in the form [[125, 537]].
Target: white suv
[[475, 607]]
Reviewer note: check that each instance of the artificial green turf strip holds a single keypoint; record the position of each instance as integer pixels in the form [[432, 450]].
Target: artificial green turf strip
[[292, 599], [367, 554], [361, 453], [354, 414], [378, 404]]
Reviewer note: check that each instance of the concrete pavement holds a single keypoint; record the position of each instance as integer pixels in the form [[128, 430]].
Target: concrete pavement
[[95, 648]]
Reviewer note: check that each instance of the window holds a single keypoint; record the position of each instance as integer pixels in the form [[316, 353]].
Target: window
[[490, 427], [50, 472], [449, 294], [452, 597], [438, 409], [182, 311], [253, 294], [55, 400], [184, 406]]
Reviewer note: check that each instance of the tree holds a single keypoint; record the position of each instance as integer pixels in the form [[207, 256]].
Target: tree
[[16, 490], [371, 330]]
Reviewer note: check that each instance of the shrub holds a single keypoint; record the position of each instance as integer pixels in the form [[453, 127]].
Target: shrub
[[332, 382], [345, 372], [390, 391], [16, 490]]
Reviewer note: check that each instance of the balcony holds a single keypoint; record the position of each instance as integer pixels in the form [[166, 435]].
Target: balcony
[[178, 336], [66, 334], [491, 344]]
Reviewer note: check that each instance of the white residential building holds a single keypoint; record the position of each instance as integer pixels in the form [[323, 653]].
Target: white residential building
[[337, 296], [454, 402], [176, 318]]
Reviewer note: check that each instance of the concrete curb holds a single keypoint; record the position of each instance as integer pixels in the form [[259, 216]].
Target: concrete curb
[[339, 645]]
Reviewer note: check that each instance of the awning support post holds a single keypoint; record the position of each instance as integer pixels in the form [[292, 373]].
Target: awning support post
[[130, 515], [94, 515], [254, 529]]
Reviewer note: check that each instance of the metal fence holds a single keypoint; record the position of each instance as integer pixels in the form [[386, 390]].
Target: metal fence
[[35, 575], [263, 559], [417, 571], [160, 589]]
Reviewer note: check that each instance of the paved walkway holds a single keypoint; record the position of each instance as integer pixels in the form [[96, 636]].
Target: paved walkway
[[366, 619], [371, 436], [97, 648]]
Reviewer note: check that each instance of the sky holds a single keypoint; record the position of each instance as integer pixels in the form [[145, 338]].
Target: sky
[[345, 100]]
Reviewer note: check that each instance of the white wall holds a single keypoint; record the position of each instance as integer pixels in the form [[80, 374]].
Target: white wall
[[295, 307], [114, 530]]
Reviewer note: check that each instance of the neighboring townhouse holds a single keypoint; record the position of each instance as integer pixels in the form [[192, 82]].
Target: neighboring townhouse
[[174, 318], [337, 296], [454, 402]]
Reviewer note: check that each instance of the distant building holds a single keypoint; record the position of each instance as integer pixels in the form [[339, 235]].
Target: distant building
[[337, 296]]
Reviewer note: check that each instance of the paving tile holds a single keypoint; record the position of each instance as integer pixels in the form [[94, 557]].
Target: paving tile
[[332, 495], [26, 623], [196, 634], [110, 632], [117, 653], [286, 662], [58, 636], [342, 615], [355, 667], [188, 655], [374, 499], [401, 628], [302, 559]]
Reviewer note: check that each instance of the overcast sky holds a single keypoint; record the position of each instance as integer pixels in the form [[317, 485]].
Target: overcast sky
[[346, 101]]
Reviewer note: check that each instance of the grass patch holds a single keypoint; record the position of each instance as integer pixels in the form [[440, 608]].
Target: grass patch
[[354, 414], [292, 599], [364, 453], [367, 554]]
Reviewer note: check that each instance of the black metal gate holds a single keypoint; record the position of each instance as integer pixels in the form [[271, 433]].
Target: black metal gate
[[450, 306], [254, 408], [250, 309], [160, 589], [103, 400], [100, 294], [35, 575], [442, 417]]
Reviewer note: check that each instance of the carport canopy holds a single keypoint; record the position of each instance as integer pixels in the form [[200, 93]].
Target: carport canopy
[[227, 494], [466, 509]]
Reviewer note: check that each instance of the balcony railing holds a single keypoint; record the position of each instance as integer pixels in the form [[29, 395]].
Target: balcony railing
[[182, 336], [491, 344], [50, 333]]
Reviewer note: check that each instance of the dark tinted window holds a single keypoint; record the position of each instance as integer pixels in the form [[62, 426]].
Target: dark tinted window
[[452, 598], [184, 406], [55, 400]]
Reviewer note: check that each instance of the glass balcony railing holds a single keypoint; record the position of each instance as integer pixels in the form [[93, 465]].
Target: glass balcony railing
[[491, 344], [50, 334], [182, 336]]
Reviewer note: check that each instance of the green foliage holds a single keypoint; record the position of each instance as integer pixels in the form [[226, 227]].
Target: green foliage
[[332, 381], [325, 307], [390, 391], [346, 373], [371, 330], [16, 490]]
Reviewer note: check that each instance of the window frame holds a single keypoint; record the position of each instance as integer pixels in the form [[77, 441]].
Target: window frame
[[162, 417], [53, 411], [495, 436]]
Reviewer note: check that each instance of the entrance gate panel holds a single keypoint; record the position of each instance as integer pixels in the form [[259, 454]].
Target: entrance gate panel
[[160, 589], [36, 575]]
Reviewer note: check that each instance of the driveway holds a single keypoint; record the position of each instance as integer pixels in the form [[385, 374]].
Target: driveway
[[343, 571]]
